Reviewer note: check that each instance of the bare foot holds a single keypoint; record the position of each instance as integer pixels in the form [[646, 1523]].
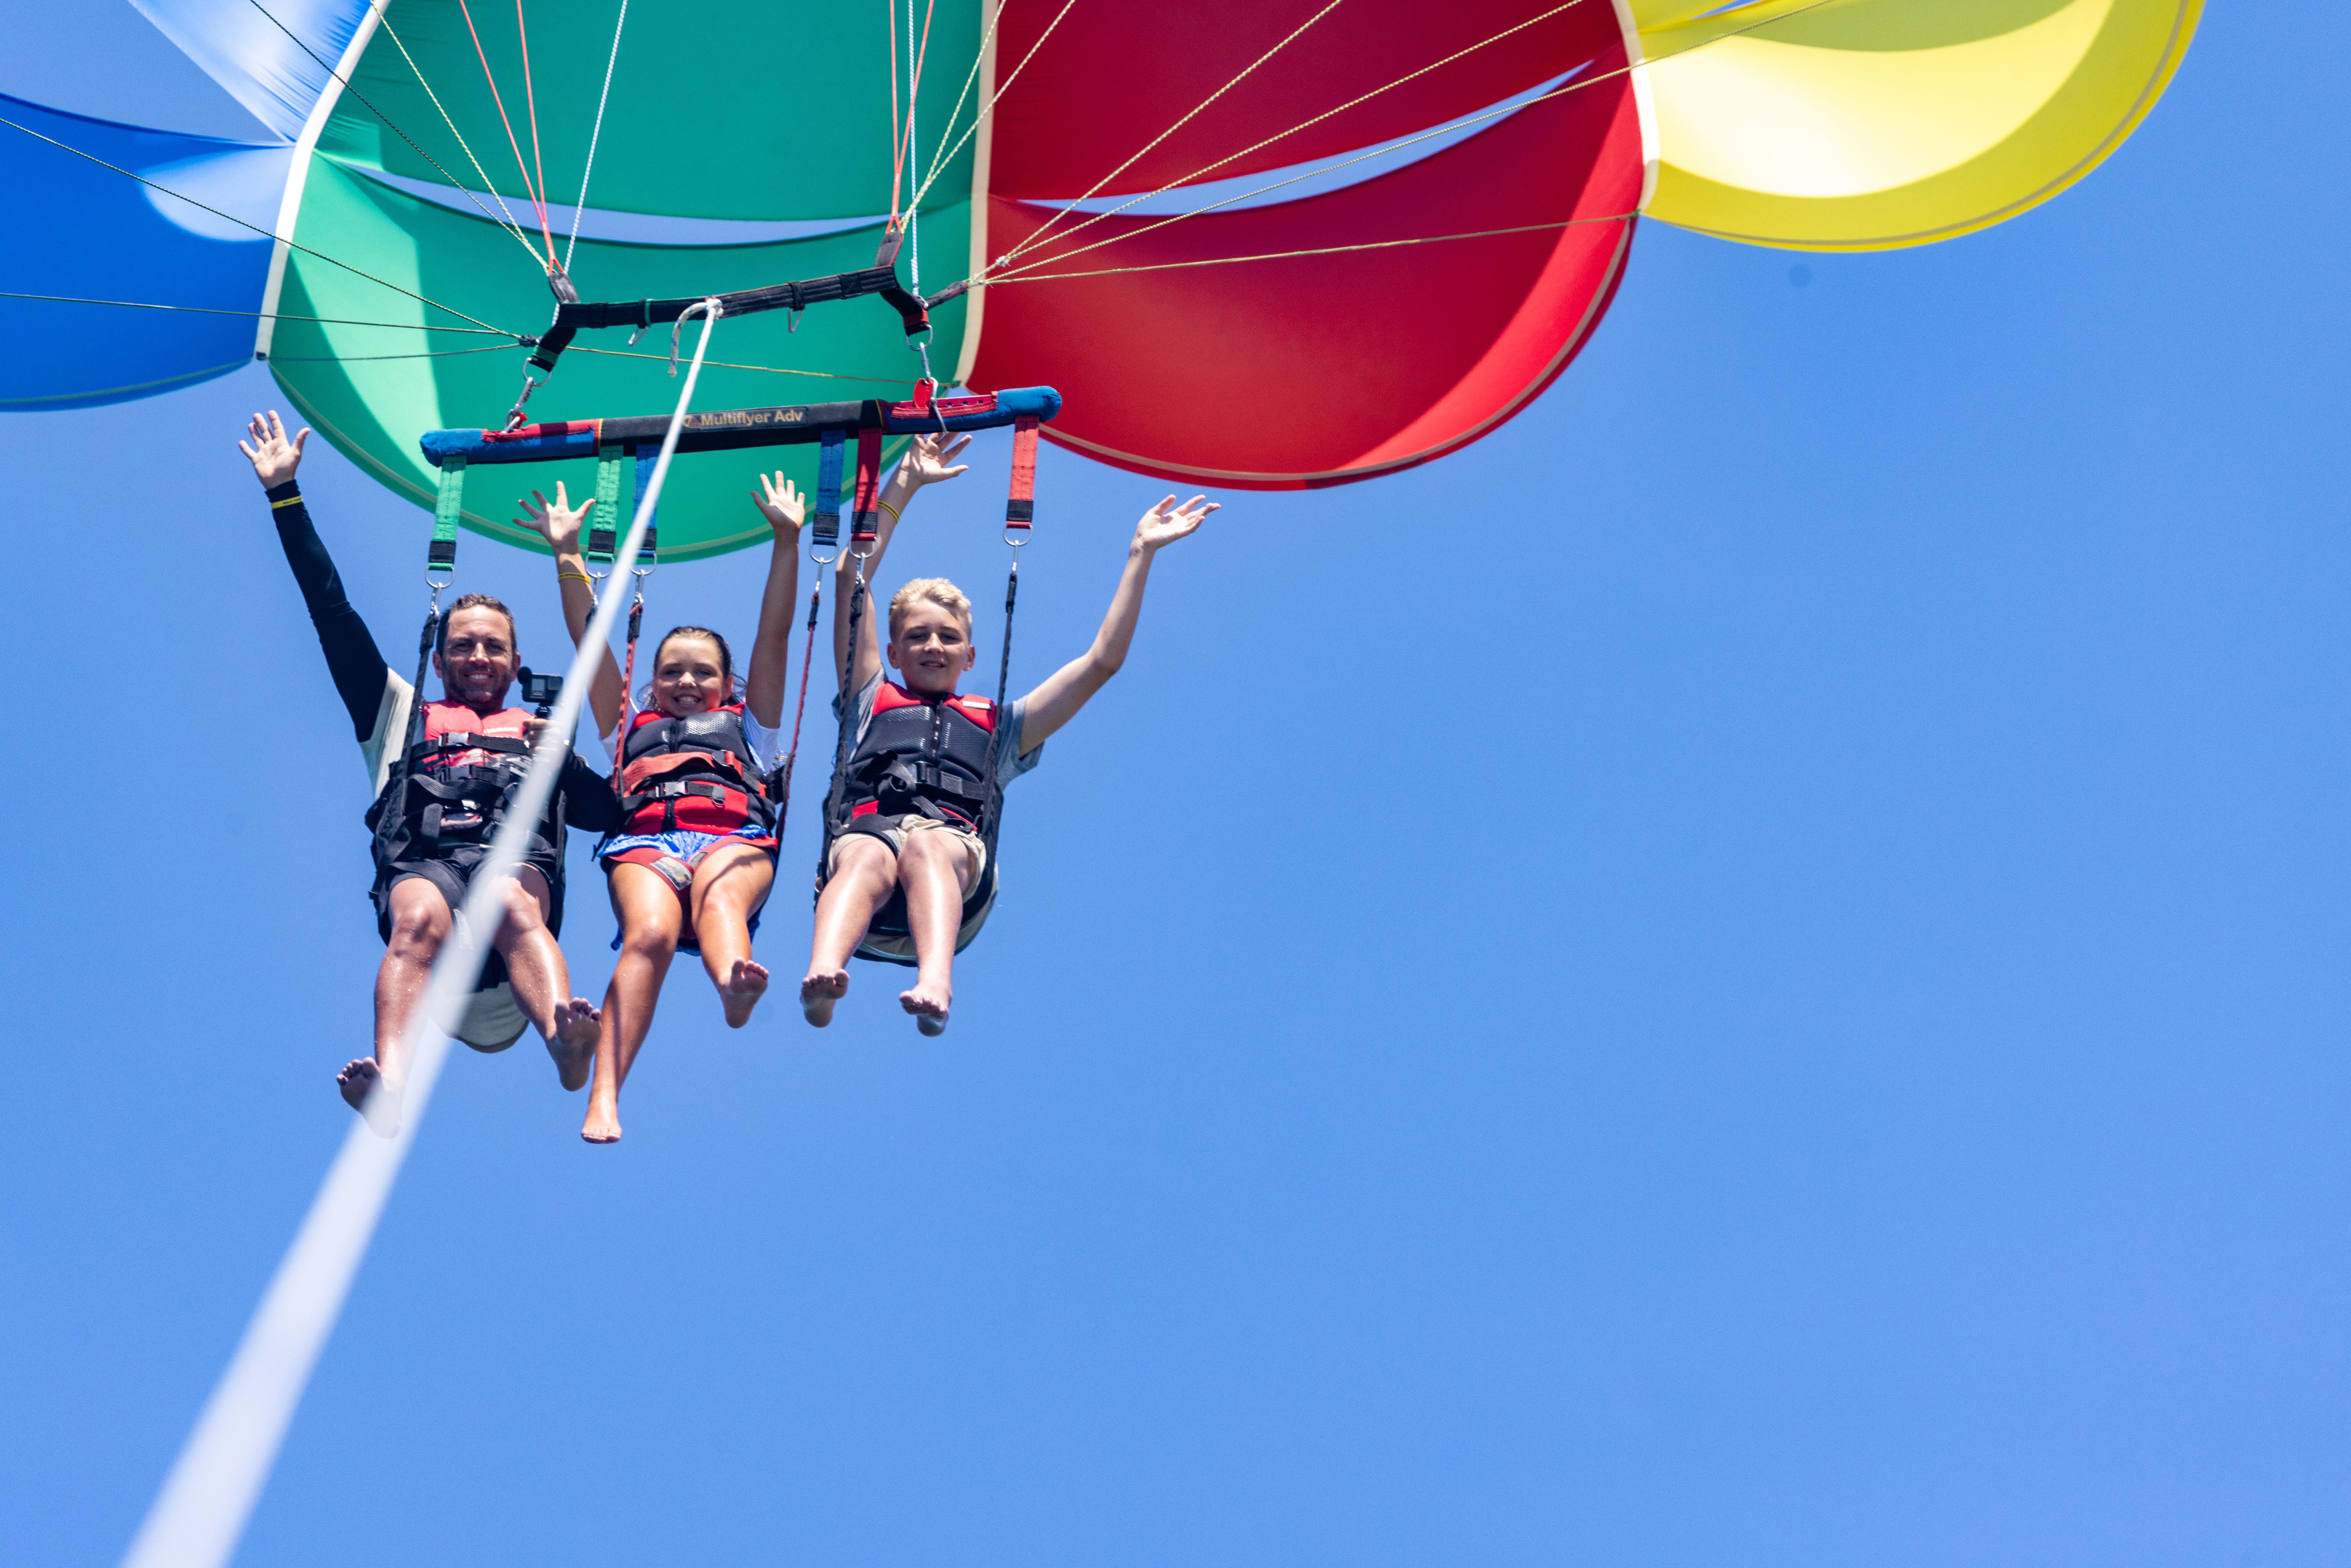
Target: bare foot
[[364, 1091], [603, 1124], [741, 991], [929, 1006], [574, 1044], [819, 991]]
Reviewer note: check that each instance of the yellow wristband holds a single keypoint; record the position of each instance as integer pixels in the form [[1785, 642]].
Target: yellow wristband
[[895, 516], [293, 500], [575, 577]]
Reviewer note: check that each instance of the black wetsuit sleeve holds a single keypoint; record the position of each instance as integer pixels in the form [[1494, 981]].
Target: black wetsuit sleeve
[[353, 660], [588, 799]]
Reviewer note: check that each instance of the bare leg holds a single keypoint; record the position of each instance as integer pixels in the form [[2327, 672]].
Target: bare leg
[[864, 873], [731, 881], [541, 980], [650, 918], [935, 869], [420, 924]]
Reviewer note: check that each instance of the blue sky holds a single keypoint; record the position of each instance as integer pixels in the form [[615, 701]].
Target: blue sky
[[1748, 972]]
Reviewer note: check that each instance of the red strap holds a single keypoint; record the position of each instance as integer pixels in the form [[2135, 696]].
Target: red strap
[[1021, 509], [869, 485]]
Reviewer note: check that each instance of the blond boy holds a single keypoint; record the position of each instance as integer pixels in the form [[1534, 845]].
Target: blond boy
[[928, 762]]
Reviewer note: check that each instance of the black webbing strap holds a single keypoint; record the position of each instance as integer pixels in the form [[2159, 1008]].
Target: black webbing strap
[[410, 736], [574, 316], [838, 794], [462, 740]]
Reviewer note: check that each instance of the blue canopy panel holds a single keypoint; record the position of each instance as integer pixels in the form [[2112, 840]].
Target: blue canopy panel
[[253, 53], [85, 232]]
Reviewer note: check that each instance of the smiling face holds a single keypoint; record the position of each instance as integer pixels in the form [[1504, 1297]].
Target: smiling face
[[690, 676], [478, 658], [930, 647]]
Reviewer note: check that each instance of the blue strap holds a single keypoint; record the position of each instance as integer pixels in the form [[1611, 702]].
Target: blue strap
[[828, 489], [648, 558]]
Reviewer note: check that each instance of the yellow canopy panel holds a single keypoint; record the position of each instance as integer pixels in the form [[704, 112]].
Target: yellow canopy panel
[[1871, 124]]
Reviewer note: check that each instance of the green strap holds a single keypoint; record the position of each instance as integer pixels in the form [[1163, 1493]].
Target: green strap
[[600, 535], [443, 555]]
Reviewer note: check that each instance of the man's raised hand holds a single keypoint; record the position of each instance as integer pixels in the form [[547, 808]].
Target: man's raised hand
[[557, 521], [927, 458], [1168, 522], [274, 459], [780, 502]]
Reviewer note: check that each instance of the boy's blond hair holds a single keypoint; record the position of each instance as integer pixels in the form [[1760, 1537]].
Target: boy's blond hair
[[937, 590]]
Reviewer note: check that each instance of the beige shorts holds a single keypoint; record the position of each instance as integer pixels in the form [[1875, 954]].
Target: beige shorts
[[975, 852]]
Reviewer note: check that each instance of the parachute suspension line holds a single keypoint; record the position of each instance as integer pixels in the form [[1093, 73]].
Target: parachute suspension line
[[800, 711], [1021, 272], [580, 205], [986, 39], [1308, 124], [270, 314], [862, 531], [210, 1493], [902, 140], [1188, 116], [257, 228], [897, 142], [1288, 254], [629, 682], [914, 208], [824, 548], [509, 224], [941, 161], [1576, 85], [357, 359], [462, 145], [537, 201], [530, 101]]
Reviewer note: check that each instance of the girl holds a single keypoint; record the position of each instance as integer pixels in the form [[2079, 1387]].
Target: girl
[[694, 856]]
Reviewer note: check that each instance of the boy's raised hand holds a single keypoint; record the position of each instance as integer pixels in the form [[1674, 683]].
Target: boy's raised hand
[[557, 521], [781, 503], [274, 459], [928, 456], [1166, 522]]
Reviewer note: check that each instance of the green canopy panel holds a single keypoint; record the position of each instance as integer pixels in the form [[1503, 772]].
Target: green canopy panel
[[371, 391], [727, 108]]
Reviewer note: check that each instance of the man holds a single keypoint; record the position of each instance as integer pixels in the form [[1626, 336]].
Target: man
[[924, 782], [436, 812]]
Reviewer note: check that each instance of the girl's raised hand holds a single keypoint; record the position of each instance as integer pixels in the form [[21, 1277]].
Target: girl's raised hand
[[557, 521], [780, 502], [927, 458]]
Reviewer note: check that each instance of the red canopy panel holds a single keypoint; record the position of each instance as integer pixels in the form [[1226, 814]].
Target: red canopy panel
[[1110, 77], [1320, 370]]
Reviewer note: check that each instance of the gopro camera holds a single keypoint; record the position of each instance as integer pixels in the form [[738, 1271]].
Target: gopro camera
[[540, 690]]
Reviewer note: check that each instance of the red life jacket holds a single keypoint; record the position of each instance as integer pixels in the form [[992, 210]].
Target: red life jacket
[[927, 756], [460, 775], [450, 727], [694, 772]]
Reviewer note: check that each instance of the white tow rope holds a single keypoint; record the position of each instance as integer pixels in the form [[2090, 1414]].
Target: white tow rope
[[206, 1500]]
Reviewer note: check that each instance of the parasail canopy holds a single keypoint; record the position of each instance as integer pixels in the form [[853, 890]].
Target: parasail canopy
[[1260, 243]]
